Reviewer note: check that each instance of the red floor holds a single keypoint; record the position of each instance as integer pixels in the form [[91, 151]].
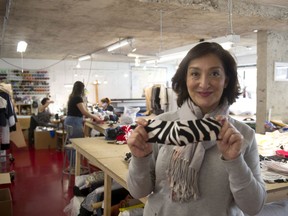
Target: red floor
[[37, 188]]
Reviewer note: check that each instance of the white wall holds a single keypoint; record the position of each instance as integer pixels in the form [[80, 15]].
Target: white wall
[[117, 75]]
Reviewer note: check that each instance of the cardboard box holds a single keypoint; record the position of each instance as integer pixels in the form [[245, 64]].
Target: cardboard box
[[5, 178], [24, 121], [5, 202], [44, 139]]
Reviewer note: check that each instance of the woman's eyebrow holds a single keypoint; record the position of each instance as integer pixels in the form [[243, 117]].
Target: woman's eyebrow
[[213, 67]]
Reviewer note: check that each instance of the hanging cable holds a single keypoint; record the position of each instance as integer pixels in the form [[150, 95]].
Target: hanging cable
[[36, 68], [22, 61], [89, 74]]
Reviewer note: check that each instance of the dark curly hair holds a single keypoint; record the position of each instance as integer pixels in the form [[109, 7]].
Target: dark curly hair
[[231, 92], [44, 100]]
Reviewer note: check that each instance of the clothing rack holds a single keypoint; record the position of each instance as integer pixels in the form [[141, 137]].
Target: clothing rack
[[8, 121], [156, 98]]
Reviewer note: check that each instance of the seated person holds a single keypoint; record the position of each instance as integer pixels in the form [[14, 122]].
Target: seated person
[[107, 110], [106, 105], [44, 114], [41, 119]]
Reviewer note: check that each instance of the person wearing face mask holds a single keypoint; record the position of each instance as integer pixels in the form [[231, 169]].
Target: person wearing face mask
[[106, 105], [195, 176]]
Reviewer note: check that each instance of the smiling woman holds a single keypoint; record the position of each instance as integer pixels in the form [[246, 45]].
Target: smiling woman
[[206, 84]]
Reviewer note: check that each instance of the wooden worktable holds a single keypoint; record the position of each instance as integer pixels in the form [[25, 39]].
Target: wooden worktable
[[110, 159], [89, 124], [107, 157]]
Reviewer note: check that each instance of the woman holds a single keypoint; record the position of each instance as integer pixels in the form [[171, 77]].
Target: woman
[[106, 105], [223, 177], [76, 110], [44, 113]]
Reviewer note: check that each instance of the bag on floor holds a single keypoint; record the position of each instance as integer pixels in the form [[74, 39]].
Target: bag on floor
[[85, 184], [87, 209]]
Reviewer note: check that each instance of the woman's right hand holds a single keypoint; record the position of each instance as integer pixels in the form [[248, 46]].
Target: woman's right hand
[[137, 141]]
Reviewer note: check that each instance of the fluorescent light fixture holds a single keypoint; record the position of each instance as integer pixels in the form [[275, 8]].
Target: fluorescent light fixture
[[227, 45], [68, 85], [119, 44], [134, 55], [83, 58], [227, 41], [137, 61], [167, 58], [21, 47], [151, 62]]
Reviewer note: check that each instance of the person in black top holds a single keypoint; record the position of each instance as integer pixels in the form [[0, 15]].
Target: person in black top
[[76, 110]]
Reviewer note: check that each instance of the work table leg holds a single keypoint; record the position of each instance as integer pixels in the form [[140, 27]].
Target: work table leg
[[107, 195], [77, 164]]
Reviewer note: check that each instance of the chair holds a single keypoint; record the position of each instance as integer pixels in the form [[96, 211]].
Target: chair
[[33, 124], [69, 157], [61, 135]]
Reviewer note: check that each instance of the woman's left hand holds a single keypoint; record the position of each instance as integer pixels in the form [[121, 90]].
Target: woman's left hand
[[230, 140]]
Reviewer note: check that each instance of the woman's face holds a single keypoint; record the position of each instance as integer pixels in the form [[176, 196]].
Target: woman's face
[[104, 104], [206, 81]]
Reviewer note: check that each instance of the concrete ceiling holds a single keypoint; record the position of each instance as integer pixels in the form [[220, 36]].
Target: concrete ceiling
[[68, 29]]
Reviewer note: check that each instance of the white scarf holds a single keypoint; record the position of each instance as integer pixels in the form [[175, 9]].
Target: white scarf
[[186, 161]]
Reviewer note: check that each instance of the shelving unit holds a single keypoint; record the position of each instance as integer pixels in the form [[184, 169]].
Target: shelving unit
[[24, 109], [26, 83], [26, 86]]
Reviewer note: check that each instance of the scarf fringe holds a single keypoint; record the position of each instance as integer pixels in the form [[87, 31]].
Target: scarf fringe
[[186, 161], [183, 179]]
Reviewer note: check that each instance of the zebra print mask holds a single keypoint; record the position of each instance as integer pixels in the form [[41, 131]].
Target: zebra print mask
[[181, 133], [185, 159]]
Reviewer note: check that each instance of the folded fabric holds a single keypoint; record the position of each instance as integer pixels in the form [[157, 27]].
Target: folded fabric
[[182, 132], [276, 166]]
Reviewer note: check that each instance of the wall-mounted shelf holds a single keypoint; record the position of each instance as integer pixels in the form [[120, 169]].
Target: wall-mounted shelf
[[24, 109], [26, 84]]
